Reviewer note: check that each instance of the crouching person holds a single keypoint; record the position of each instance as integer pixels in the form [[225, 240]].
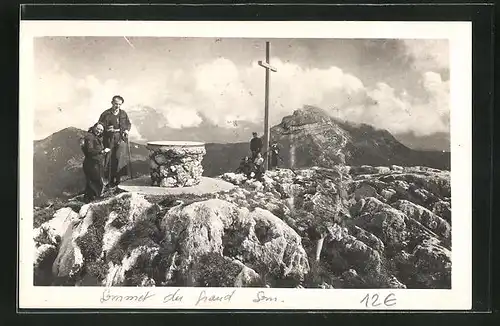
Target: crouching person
[[245, 167], [94, 151]]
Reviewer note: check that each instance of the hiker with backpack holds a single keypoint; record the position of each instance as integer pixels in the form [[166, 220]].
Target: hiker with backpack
[[94, 151]]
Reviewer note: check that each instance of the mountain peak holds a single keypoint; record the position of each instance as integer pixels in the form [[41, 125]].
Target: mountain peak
[[70, 130], [306, 115]]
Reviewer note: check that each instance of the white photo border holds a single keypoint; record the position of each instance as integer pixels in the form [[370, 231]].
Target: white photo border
[[459, 297]]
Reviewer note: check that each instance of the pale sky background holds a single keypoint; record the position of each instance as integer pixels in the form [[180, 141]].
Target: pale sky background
[[398, 85]]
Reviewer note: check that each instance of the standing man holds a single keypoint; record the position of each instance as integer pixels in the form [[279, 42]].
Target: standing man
[[274, 155], [94, 151], [255, 145], [116, 129]]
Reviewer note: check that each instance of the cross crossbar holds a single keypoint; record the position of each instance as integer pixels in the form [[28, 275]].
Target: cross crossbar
[[267, 66]]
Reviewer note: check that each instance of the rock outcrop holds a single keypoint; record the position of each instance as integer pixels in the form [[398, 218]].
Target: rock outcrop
[[127, 240], [257, 238], [338, 227], [312, 137]]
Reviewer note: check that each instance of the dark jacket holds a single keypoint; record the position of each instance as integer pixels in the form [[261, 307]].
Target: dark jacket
[[255, 144], [92, 147], [122, 116]]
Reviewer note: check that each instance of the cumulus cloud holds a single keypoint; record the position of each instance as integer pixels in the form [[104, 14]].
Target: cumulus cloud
[[222, 92], [62, 100], [180, 117], [399, 112]]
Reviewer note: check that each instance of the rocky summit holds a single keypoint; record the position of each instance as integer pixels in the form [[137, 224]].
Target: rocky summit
[[312, 137], [337, 227]]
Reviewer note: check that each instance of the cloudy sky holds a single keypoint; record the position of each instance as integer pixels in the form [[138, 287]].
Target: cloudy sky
[[398, 85]]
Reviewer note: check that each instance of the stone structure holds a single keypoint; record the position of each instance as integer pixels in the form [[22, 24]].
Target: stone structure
[[176, 163]]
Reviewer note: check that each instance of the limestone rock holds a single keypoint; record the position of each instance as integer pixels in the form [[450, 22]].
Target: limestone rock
[[432, 264], [365, 191], [87, 240], [394, 283], [261, 240], [397, 168], [215, 270], [45, 255], [367, 238], [351, 279], [385, 222], [443, 209], [246, 277], [234, 178], [387, 228], [116, 272], [424, 217], [427, 266], [51, 231]]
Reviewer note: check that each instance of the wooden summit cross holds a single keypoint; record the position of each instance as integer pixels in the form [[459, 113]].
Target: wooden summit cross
[[267, 134]]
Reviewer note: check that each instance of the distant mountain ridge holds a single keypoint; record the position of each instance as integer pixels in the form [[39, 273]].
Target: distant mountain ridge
[[152, 124], [311, 137], [308, 137]]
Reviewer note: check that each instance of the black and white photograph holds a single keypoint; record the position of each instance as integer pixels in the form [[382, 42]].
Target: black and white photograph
[[272, 166]]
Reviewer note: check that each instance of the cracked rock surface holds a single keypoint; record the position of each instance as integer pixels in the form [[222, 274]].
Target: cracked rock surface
[[339, 227]]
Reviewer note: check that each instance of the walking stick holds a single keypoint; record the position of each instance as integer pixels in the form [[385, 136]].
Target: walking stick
[[129, 160], [109, 167]]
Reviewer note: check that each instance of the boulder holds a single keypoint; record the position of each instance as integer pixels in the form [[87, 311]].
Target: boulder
[[432, 265], [382, 220], [246, 277], [351, 279], [234, 178], [365, 191], [442, 209], [116, 273], [427, 266], [259, 239], [425, 217], [367, 238], [397, 168], [387, 194], [101, 224], [394, 283], [51, 231], [215, 270], [436, 183], [363, 169], [45, 255], [382, 170]]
